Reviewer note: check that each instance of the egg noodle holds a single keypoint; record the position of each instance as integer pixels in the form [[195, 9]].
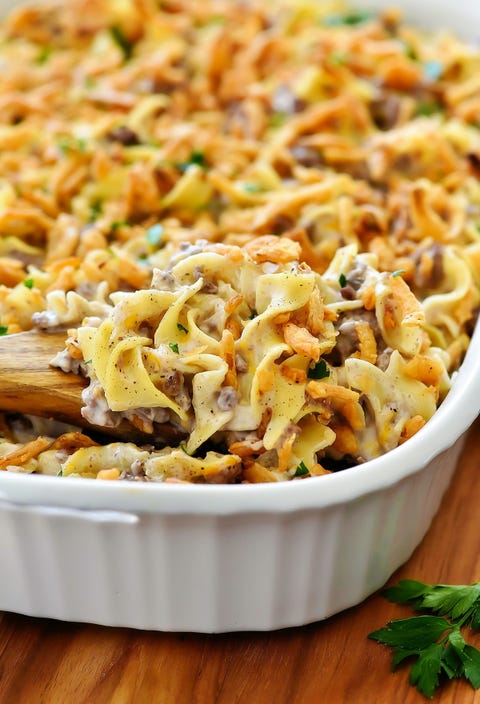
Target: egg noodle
[[257, 222]]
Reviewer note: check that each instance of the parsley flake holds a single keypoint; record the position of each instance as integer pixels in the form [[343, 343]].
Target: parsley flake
[[410, 52], [337, 58], [183, 448], [44, 54], [342, 280], [426, 108], [197, 157], [319, 371], [301, 470], [216, 19], [60, 473], [95, 210], [434, 639], [117, 224], [348, 19], [154, 234], [122, 42], [182, 328], [69, 144], [3, 330], [399, 272], [28, 283], [173, 346], [277, 119]]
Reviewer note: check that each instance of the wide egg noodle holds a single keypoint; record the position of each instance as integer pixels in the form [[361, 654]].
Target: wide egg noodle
[[134, 309], [279, 293], [167, 331], [120, 369], [255, 398], [178, 464], [313, 437], [405, 335], [206, 387], [88, 461], [192, 191], [262, 344], [392, 398], [449, 309], [286, 400], [67, 308]]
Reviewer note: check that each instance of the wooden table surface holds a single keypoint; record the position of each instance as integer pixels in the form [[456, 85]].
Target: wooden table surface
[[332, 661]]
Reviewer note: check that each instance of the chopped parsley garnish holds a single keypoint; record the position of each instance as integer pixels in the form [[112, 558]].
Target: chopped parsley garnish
[[410, 52], [277, 119], [44, 54], [426, 108], [118, 224], [3, 329], [216, 19], [182, 328], [342, 280], [154, 234], [319, 371], [337, 58], [173, 346], [253, 314], [197, 157], [434, 640], [349, 18], [88, 361], [399, 272], [301, 470], [95, 210], [60, 473], [183, 448], [71, 144], [122, 42], [28, 283]]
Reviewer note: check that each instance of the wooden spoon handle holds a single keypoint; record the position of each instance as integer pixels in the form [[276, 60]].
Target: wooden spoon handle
[[29, 385]]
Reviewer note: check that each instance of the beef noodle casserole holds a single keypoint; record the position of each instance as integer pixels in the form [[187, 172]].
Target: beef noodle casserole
[[256, 222]]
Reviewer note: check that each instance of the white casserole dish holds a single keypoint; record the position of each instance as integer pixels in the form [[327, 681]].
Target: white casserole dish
[[214, 558]]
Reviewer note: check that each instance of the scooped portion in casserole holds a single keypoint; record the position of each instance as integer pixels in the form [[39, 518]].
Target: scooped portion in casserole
[[257, 224]]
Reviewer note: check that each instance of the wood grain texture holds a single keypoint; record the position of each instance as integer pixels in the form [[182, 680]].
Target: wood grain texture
[[29, 385], [332, 661]]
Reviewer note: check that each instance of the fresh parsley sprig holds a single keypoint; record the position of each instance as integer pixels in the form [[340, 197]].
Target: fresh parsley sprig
[[434, 638]]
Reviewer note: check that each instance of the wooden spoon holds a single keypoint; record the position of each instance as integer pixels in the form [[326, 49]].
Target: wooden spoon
[[28, 384]]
